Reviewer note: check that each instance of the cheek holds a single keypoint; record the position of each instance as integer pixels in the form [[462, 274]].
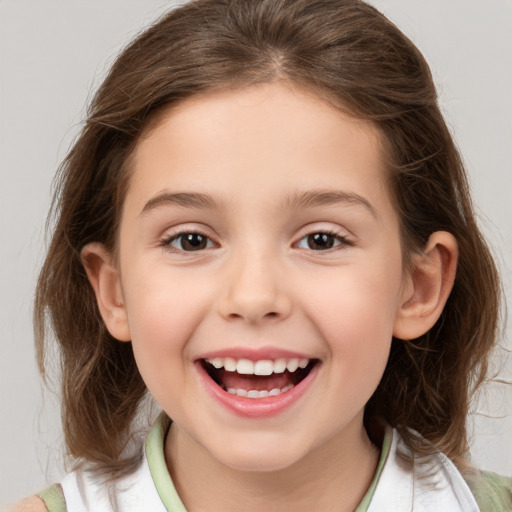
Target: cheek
[[355, 314], [163, 314]]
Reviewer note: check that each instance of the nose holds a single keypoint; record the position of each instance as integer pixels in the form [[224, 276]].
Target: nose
[[255, 290]]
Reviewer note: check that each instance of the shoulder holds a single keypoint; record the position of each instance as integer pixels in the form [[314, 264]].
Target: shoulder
[[32, 504], [50, 499], [493, 492]]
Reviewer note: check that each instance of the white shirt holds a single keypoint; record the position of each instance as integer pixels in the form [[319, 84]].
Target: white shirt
[[432, 485]]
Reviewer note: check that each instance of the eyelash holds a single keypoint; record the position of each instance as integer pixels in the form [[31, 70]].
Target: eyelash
[[166, 243], [343, 241]]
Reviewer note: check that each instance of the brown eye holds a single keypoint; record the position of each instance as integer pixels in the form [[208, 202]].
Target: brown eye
[[322, 241], [190, 242]]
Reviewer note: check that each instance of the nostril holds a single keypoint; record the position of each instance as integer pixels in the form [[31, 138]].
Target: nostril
[[254, 306], [270, 314]]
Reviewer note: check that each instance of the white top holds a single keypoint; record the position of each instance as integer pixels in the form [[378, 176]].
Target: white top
[[434, 485]]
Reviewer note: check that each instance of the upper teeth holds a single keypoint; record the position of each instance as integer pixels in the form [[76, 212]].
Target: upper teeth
[[261, 367]]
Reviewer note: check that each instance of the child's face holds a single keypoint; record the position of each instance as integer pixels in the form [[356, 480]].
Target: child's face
[[298, 258]]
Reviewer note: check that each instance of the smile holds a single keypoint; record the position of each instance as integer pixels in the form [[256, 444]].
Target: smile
[[257, 379]]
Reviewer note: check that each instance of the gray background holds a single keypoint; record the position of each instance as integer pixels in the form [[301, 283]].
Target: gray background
[[53, 53]]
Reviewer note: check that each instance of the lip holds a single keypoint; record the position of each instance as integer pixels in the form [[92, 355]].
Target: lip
[[256, 407], [255, 354]]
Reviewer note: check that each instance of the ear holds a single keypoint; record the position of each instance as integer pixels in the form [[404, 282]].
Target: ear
[[105, 280], [428, 286]]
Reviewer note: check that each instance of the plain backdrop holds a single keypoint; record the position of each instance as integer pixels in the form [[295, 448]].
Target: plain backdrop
[[53, 54]]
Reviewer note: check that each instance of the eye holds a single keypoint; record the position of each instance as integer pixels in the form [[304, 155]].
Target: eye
[[188, 242], [322, 241]]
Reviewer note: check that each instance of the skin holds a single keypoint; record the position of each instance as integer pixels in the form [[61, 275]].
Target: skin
[[259, 284], [31, 504]]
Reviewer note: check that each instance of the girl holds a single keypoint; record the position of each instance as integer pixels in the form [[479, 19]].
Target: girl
[[266, 225]]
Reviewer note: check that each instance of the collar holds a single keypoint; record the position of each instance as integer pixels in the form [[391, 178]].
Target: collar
[[402, 483]]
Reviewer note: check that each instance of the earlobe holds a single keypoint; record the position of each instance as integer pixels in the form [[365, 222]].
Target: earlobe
[[428, 286], [106, 283]]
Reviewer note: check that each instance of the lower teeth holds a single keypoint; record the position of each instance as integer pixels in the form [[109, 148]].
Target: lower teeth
[[254, 393]]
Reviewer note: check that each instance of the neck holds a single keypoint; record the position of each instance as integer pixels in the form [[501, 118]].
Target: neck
[[334, 476]]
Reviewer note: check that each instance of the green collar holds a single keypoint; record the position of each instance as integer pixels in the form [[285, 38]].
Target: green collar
[[158, 467]]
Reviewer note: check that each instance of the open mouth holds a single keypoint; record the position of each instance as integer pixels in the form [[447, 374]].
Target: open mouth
[[257, 379]]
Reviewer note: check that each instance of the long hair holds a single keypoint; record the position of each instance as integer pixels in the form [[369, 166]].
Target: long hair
[[347, 53]]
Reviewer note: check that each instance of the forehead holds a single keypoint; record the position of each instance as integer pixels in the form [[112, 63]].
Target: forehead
[[270, 138]]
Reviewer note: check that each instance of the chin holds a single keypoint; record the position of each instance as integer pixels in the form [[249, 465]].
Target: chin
[[257, 458]]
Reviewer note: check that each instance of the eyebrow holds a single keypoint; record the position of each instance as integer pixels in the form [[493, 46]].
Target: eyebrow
[[315, 198], [297, 200], [185, 199]]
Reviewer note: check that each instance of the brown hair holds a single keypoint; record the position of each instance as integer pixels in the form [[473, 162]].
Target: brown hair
[[348, 53]]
